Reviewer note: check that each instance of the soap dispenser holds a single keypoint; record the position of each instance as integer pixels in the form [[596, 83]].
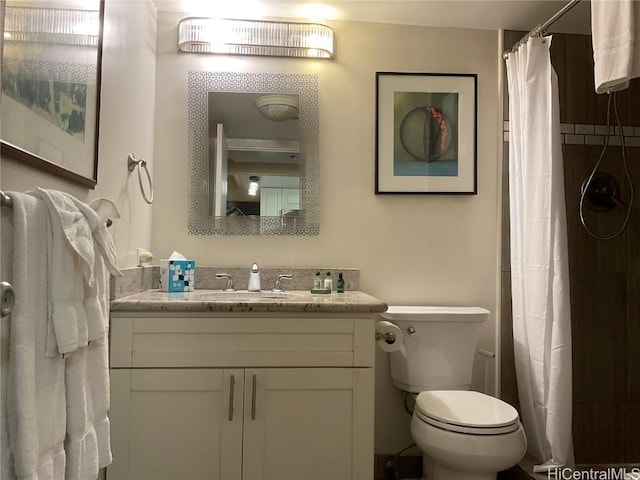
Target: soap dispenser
[[254, 278], [328, 282]]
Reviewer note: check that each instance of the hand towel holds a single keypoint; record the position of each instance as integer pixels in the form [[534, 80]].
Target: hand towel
[[6, 274], [96, 301], [88, 443], [615, 27], [68, 268], [36, 389], [79, 236], [105, 209]]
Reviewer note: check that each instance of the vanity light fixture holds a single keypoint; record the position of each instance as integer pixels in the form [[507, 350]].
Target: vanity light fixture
[[278, 107], [255, 37], [253, 186]]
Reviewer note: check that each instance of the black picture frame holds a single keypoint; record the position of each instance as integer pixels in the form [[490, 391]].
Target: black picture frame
[[426, 133]]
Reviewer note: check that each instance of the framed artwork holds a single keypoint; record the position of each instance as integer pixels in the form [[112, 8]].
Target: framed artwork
[[426, 133], [51, 69]]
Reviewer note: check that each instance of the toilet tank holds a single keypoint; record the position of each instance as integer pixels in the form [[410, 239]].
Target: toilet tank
[[438, 347]]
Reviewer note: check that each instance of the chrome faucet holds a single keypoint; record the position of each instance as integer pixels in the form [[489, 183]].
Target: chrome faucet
[[254, 279], [277, 287], [229, 287]]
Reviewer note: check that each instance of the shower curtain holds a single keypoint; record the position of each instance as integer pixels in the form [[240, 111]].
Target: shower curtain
[[539, 255]]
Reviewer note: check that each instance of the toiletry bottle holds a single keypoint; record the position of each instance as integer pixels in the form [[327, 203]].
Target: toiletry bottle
[[328, 282], [340, 283], [317, 282]]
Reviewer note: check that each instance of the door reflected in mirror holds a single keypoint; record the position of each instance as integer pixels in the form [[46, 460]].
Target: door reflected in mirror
[[253, 152]]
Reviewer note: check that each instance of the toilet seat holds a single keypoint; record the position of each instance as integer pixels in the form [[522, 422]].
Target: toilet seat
[[466, 412]]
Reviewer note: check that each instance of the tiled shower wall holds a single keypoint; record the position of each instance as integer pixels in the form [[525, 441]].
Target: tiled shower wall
[[604, 275]]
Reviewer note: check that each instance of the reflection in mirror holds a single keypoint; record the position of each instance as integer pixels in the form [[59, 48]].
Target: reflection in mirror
[[254, 165], [253, 158], [51, 85]]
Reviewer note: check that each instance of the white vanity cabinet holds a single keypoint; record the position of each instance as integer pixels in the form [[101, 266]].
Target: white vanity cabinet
[[242, 396]]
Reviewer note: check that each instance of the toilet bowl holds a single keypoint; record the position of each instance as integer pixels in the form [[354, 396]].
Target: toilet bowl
[[464, 434]]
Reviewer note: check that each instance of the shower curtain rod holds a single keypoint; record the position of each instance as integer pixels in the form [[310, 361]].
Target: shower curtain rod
[[7, 201], [540, 28]]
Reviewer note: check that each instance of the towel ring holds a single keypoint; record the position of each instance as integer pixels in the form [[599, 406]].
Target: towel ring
[[132, 162]]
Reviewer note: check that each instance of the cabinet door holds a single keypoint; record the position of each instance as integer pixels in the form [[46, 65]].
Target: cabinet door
[[176, 424], [304, 423]]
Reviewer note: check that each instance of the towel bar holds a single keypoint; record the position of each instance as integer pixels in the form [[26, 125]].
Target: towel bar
[[7, 298], [6, 201]]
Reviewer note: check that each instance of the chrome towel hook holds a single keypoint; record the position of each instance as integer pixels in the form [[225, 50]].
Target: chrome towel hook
[[132, 162]]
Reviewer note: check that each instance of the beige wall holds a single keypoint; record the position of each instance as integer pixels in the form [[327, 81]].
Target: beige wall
[[410, 249], [126, 125]]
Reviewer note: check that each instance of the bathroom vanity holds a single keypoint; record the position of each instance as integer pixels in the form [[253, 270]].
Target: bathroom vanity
[[242, 385]]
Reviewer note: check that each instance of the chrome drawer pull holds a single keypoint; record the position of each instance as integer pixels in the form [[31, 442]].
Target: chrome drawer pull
[[232, 385], [253, 398]]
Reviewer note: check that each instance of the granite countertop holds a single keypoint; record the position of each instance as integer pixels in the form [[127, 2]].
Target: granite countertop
[[243, 301]]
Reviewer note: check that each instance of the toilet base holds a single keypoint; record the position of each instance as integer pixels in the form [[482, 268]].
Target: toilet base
[[431, 470]]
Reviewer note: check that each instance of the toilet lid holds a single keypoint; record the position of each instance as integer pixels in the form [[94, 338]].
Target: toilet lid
[[466, 412]]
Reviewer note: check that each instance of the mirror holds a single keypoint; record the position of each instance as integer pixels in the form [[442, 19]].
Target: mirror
[[246, 128], [51, 66], [254, 156]]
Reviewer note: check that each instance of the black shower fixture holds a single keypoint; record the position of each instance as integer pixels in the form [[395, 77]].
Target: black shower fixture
[[602, 193]]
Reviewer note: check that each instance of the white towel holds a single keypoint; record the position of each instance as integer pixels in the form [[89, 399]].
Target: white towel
[[87, 373], [88, 445], [83, 255], [36, 389], [68, 269], [79, 235], [615, 27], [6, 274]]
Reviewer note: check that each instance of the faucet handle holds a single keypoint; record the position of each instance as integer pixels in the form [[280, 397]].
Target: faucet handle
[[277, 287], [229, 287]]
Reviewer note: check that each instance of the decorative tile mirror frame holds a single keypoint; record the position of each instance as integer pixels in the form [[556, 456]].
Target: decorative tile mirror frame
[[305, 86]]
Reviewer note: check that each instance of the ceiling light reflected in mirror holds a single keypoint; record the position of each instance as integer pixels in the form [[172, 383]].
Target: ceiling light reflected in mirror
[[278, 108], [253, 186]]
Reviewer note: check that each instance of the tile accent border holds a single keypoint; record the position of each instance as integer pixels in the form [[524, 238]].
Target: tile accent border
[[583, 134]]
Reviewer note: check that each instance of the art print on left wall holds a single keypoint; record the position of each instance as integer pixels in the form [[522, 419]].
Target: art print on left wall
[[51, 65], [426, 133]]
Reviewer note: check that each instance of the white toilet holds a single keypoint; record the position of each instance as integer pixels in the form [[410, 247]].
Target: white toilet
[[465, 435]]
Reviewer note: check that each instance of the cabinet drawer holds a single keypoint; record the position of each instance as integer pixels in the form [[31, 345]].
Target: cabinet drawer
[[145, 341]]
